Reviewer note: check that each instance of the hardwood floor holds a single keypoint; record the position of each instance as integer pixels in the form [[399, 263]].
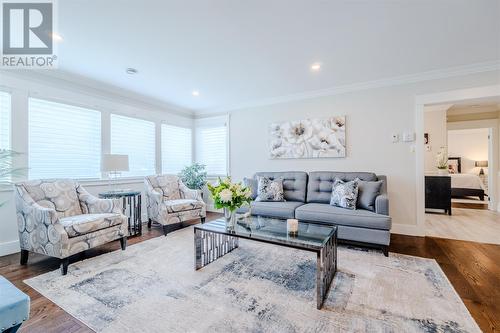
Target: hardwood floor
[[472, 268], [476, 225]]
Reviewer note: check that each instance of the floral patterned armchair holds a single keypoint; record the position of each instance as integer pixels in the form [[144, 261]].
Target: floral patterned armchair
[[169, 201], [59, 218]]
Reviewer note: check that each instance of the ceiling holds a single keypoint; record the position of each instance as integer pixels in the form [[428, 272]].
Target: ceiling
[[236, 52], [474, 106]]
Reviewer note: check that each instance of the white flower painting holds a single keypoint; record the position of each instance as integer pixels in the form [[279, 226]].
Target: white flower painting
[[310, 138]]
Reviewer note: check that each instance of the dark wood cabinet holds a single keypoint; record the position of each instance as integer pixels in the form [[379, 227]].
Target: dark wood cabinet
[[438, 193]]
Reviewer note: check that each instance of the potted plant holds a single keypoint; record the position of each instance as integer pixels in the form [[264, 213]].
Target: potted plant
[[229, 196], [7, 170], [442, 161], [194, 176]]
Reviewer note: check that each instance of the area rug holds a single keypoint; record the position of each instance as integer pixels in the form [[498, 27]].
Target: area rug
[[153, 287]]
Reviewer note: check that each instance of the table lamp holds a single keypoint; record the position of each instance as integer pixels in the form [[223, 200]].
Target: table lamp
[[114, 165], [481, 164]]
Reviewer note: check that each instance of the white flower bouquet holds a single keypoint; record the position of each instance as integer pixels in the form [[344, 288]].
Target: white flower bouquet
[[228, 195], [442, 159]]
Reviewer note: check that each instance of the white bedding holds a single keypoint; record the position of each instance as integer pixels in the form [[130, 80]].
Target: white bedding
[[466, 180]]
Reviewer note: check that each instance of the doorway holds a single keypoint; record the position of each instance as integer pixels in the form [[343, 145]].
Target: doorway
[[459, 131]]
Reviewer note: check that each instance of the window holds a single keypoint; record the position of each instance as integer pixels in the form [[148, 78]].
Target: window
[[176, 148], [64, 141], [211, 145], [4, 120], [136, 138]]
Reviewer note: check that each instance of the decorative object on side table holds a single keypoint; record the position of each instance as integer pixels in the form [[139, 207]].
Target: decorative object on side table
[[194, 176], [308, 138], [114, 165], [442, 161], [132, 202], [229, 196]]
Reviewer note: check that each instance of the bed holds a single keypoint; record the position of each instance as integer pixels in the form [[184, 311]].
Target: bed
[[464, 184]]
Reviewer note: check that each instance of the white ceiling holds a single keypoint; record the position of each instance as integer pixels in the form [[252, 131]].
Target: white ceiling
[[241, 51]]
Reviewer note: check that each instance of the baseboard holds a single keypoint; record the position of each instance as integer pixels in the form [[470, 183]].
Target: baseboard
[[406, 229], [9, 248]]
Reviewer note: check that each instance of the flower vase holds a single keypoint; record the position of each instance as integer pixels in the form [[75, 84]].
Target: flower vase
[[230, 217], [442, 172]]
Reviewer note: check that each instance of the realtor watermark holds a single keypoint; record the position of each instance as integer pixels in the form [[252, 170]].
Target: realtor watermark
[[28, 31]]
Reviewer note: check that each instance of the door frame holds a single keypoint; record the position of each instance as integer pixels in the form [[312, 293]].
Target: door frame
[[439, 98]]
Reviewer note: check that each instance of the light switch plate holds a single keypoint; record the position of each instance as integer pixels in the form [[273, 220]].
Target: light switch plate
[[408, 137]]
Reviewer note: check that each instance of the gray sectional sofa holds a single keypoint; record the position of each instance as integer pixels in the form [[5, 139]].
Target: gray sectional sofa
[[307, 198]]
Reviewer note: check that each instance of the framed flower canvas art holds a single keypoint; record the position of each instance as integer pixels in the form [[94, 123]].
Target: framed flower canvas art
[[309, 138]]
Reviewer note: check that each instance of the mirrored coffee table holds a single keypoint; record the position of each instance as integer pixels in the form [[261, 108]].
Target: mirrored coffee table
[[214, 239]]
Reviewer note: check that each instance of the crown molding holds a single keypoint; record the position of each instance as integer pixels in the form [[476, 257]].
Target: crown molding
[[65, 80], [348, 88]]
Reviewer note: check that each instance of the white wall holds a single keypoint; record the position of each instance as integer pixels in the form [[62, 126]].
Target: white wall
[[22, 87], [471, 145], [435, 127], [372, 116]]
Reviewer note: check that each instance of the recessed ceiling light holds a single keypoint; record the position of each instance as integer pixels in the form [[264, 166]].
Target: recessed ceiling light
[[316, 67], [195, 93], [56, 37], [131, 71]]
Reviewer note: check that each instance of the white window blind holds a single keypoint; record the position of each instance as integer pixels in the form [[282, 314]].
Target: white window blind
[[64, 141], [211, 144], [176, 148], [5, 120], [136, 138]]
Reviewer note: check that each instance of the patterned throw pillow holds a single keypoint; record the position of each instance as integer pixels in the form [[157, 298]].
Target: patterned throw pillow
[[344, 194], [270, 189]]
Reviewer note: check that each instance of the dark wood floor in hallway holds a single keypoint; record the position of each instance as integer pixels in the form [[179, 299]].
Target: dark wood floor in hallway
[[472, 268]]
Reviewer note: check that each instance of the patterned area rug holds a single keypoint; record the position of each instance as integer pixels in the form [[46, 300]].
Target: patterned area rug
[[153, 287]]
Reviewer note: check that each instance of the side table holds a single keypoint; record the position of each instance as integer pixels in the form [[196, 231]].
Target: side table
[[131, 208]]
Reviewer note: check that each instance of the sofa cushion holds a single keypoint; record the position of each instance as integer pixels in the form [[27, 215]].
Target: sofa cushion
[[167, 185], [284, 209], [294, 183], [84, 224], [325, 213], [344, 194], [58, 194], [181, 205], [252, 184], [367, 193], [270, 189], [319, 187]]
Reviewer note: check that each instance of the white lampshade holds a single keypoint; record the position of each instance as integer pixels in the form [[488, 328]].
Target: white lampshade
[[114, 163]]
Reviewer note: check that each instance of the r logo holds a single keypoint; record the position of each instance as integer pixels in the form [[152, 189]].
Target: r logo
[[27, 28]]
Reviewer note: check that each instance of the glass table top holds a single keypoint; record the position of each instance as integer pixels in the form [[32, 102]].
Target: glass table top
[[309, 236]]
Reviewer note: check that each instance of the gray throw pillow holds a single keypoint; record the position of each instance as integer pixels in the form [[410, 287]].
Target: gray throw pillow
[[344, 194], [252, 184], [367, 193], [270, 189]]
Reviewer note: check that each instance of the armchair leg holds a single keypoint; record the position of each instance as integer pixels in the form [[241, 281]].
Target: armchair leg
[[203, 220], [149, 223], [123, 243], [165, 230], [64, 266], [24, 257]]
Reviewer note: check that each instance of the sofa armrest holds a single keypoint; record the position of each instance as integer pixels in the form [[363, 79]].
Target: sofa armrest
[[382, 204], [93, 205], [188, 193]]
